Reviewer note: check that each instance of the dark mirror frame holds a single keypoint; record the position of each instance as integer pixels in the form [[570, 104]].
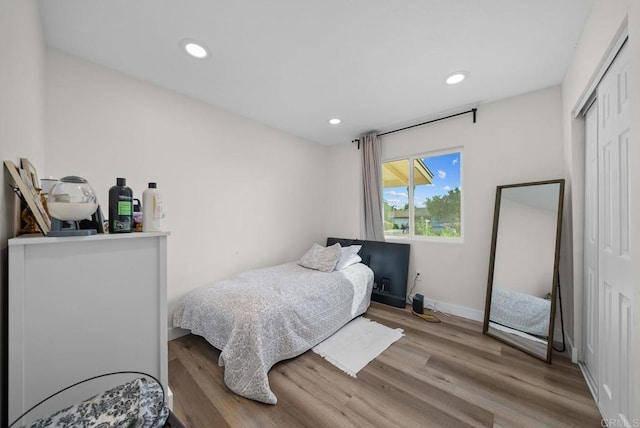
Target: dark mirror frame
[[556, 260]]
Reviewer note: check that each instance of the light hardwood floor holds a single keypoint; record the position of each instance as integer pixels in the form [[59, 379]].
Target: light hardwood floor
[[437, 375]]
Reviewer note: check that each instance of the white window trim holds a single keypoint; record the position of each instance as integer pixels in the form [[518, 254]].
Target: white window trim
[[411, 235]]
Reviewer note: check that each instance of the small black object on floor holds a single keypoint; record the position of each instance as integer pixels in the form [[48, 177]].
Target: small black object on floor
[[418, 309]]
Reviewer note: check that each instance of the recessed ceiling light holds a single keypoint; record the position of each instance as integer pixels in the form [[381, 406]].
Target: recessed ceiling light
[[457, 77], [195, 48], [335, 121]]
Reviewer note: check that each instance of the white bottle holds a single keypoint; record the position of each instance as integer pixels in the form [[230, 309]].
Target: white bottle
[[152, 213]]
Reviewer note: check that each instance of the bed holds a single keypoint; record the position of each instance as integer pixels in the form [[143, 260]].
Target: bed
[[272, 314]]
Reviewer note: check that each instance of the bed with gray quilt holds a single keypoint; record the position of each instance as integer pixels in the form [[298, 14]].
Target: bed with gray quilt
[[268, 315]]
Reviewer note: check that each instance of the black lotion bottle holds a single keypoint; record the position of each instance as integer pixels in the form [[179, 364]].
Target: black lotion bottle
[[120, 207]]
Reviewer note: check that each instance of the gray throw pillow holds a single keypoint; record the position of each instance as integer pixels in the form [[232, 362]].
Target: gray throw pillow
[[321, 258]]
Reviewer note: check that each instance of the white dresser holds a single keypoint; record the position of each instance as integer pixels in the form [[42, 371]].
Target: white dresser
[[80, 307]]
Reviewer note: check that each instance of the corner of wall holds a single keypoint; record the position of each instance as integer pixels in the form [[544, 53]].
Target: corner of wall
[[344, 186], [22, 131], [566, 268]]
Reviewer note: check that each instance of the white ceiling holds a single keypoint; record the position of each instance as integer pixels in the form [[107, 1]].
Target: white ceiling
[[294, 64]]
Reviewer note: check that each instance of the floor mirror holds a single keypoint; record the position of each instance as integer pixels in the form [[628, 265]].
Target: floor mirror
[[523, 266]]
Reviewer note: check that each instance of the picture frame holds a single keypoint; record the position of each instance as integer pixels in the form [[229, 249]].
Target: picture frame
[[25, 185], [31, 172]]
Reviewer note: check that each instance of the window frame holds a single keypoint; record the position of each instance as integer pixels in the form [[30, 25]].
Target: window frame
[[411, 236]]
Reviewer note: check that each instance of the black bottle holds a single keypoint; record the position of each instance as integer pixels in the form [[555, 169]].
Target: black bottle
[[120, 207]]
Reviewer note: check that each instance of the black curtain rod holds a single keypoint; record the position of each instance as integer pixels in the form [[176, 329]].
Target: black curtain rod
[[473, 110]]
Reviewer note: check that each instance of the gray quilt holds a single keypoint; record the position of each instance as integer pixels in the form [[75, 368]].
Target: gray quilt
[[520, 311], [268, 315]]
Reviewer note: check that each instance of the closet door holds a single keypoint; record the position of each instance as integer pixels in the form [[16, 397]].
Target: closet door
[[591, 300], [615, 263]]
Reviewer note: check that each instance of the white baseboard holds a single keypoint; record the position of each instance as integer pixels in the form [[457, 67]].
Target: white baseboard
[[459, 311], [573, 351], [169, 398], [176, 332]]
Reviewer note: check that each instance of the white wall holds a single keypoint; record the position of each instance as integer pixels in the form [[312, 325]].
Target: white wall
[[605, 21], [237, 194], [21, 96], [21, 118], [344, 191], [515, 140]]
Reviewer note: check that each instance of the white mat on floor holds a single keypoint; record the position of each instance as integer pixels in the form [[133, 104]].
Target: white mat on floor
[[356, 344]]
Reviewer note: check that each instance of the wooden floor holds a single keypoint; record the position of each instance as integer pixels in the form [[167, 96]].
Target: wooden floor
[[437, 375]]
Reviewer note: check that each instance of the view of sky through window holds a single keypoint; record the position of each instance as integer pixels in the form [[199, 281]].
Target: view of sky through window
[[436, 196], [446, 176]]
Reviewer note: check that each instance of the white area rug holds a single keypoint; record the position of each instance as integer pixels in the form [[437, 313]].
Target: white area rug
[[356, 344]]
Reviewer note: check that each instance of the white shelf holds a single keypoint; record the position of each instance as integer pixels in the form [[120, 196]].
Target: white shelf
[[39, 239], [81, 307]]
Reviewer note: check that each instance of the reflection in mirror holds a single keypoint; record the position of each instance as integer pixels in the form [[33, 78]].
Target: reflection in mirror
[[523, 269]]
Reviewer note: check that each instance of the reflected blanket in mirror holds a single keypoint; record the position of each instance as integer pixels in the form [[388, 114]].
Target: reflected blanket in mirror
[[520, 311]]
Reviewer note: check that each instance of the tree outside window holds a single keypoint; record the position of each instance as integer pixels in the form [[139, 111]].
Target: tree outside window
[[424, 201]]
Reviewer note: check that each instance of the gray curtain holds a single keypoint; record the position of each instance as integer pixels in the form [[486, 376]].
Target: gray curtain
[[373, 225]]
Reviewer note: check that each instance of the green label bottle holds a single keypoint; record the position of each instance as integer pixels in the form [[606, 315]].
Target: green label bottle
[[120, 207]]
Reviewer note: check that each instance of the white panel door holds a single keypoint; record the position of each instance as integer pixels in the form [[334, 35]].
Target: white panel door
[[615, 263], [591, 300]]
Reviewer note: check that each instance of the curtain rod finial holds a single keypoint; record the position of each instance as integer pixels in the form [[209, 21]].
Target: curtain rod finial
[[356, 140]]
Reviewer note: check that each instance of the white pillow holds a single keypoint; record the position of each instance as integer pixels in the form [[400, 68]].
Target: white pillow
[[348, 256], [352, 260], [321, 258]]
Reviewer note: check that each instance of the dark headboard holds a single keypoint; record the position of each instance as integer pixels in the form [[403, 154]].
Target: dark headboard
[[390, 265]]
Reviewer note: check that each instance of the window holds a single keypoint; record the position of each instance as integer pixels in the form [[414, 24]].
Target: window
[[422, 196]]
